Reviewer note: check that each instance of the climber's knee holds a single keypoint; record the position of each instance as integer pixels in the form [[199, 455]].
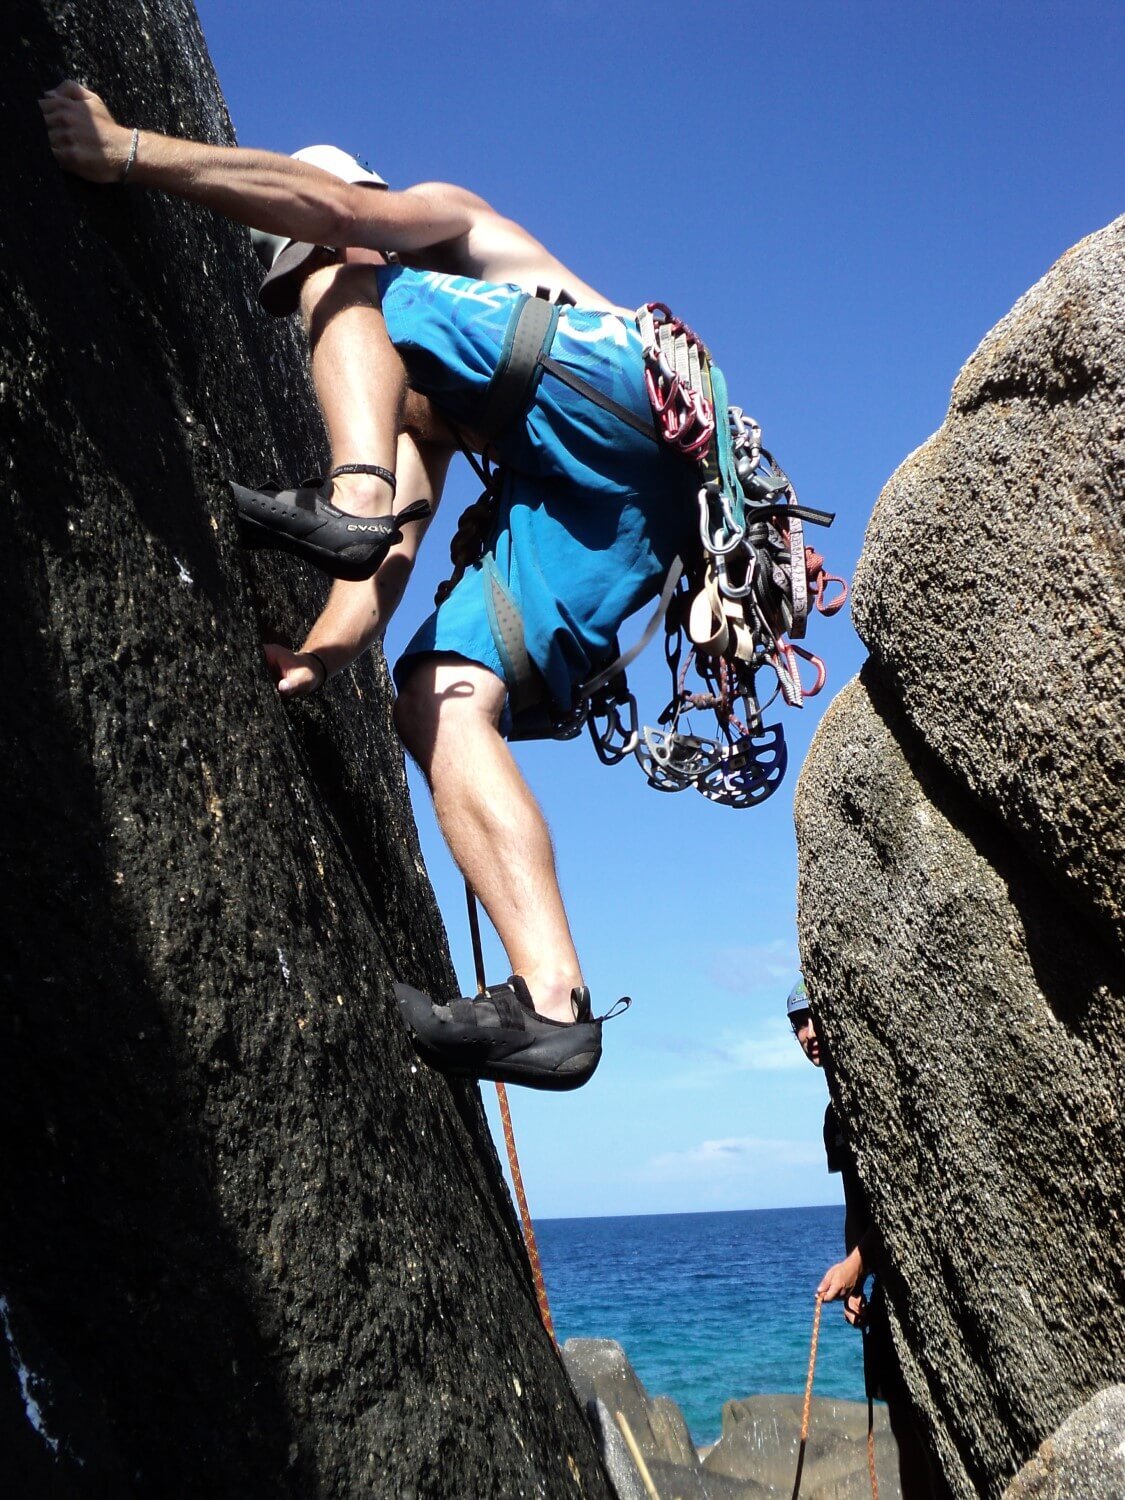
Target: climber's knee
[[328, 290], [446, 697]]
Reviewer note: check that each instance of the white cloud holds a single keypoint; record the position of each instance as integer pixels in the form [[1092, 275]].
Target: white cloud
[[733, 1158], [774, 1050], [769, 1048], [749, 968]]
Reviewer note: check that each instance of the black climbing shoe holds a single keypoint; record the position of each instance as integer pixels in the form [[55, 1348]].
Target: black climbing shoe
[[501, 1036], [303, 521]]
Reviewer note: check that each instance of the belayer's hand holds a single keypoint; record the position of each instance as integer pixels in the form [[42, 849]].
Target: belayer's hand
[[842, 1279], [297, 674], [83, 135]]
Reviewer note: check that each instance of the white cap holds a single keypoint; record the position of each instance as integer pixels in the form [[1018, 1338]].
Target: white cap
[[339, 163]]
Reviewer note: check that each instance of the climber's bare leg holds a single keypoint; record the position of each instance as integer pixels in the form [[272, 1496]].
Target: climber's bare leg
[[359, 378], [357, 613], [448, 716]]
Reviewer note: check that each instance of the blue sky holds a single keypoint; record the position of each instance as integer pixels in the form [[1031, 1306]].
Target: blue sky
[[843, 199]]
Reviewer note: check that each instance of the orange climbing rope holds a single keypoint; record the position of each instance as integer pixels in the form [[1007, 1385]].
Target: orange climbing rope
[[812, 1367], [525, 1217], [510, 1142], [808, 1405], [808, 1399]]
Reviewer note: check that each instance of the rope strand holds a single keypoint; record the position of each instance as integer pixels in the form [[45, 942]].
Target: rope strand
[[808, 1399], [807, 1407], [525, 1217], [510, 1142], [812, 1367]]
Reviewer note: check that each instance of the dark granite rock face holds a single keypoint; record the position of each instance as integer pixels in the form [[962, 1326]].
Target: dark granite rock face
[[960, 841], [247, 1245]]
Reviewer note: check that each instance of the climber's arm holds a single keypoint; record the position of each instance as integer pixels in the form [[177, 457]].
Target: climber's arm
[[357, 614], [259, 188]]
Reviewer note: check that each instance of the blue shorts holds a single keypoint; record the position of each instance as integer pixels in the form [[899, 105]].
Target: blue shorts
[[591, 514]]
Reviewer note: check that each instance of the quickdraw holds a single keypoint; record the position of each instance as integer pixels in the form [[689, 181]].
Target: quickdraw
[[743, 602]]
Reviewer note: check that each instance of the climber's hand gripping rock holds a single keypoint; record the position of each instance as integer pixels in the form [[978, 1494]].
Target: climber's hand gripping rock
[[83, 135], [295, 673]]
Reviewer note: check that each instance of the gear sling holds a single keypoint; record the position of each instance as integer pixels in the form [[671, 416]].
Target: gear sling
[[728, 606]]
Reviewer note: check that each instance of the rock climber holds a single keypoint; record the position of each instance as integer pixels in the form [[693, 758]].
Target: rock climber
[[412, 301]]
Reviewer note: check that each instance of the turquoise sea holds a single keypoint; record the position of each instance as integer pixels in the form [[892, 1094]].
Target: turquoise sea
[[707, 1306]]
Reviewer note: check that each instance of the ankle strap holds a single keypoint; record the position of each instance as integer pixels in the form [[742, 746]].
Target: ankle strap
[[376, 469]]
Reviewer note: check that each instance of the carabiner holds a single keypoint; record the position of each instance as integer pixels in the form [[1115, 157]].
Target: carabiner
[[732, 590], [821, 670], [746, 436], [702, 418], [615, 741], [659, 401], [717, 548], [783, 660], [676, 422]]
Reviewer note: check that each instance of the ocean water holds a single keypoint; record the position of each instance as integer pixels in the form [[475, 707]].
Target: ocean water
[[707, 1306]]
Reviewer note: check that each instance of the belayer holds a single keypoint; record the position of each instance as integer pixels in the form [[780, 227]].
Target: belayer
[[436, 323], [847, 1279]]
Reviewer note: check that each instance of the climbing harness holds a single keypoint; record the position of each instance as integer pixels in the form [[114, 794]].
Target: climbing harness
[[733, 608], [510, 1141], [806, 1408]]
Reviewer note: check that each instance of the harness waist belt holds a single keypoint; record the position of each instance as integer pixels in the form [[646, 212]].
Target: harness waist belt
[[530, 332], [525, 354]]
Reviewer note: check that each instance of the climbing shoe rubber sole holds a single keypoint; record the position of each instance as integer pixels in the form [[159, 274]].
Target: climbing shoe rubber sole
[[302, 523], [506, 1042]]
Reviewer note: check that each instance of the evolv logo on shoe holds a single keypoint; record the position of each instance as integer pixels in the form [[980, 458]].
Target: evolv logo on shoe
[[359, 526]]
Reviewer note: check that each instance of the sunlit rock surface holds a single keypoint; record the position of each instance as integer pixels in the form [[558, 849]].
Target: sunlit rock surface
[[757, 1454], [960, 831], [1084, 1460], [247, 1246], [992, 584], [761, 1444]]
